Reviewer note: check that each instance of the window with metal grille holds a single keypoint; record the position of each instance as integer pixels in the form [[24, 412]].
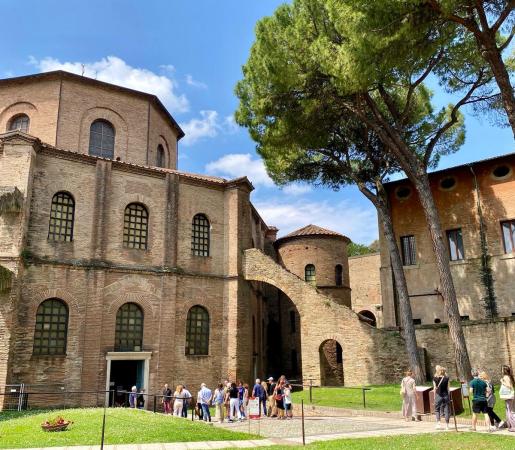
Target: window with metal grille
[[51, 328], [62, 214], [101, 139], [200, 236], [455, 242], [310, 274], [409, 255], [19, 122], [508, 234], [135, 226], [197, 331], [160, 157], [129, 328], [338, 275]]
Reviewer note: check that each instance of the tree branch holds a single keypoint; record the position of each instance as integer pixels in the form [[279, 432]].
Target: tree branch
[[502, 17]]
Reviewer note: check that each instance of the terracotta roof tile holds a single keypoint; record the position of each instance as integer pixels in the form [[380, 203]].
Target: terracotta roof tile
[[312, 230]]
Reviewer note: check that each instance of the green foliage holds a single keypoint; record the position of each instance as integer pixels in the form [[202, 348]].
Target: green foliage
[[123, 426], [355, 249]]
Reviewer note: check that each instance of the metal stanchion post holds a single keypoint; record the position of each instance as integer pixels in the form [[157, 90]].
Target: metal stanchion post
[[310, 391], [103, 428], [155, 404], [192, 414], [364, 401], [303, 430], [454, 415]]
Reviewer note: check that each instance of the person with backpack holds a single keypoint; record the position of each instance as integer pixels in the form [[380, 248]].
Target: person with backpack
[[495, 421], [218, 401], [442, 397]]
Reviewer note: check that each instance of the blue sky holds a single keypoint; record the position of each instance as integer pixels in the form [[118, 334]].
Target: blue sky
[[190, 53]]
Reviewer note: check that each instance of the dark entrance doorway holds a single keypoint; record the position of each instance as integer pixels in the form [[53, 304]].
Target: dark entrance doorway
[[124, 375]]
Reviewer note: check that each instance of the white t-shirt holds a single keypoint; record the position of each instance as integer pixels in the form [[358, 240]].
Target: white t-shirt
[[287, 396]]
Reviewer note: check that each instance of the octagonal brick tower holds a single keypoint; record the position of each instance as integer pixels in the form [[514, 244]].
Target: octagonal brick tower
[[318, 256]]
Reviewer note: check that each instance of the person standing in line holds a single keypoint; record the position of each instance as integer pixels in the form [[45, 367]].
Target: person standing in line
[[507, 393], [141, 399], [279, 400], [133, 397], [408, 391], [218, 401], [241, 392], [234, 410], [178, 401], [257, 392], [167, 400], [441, 390], [245, 401], [478, 389], [264, 396], [187, 401], [495, 421], [288, 406], [272, 408], [198, 407], [205, 395], [227, 399]]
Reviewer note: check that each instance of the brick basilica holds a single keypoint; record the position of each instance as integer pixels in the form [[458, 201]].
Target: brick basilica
[[116, 268]]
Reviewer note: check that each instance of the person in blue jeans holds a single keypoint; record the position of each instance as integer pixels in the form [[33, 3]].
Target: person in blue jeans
[[241, 397], [205, 396]]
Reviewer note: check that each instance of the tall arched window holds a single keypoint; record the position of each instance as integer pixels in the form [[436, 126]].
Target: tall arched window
[[160, 156], [19, 122], [101, 139], [51, 328], [129, 328], [197, 331], [310, 274], [338, 275], [62, 215], [135, 226], [200, 235]]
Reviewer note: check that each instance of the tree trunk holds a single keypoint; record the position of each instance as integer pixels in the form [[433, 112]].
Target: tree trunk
[[381, 205], [403, 296], [491, 53], [444, 270]]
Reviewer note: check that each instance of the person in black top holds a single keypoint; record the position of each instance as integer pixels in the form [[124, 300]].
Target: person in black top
[[441, 388], [167, 400], [234, 409], [272, 409]]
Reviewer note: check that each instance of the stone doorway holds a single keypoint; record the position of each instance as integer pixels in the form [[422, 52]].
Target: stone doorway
[[331, 363]]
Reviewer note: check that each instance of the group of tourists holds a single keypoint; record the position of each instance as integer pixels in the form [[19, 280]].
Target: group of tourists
[[481, 389], [231, 400]]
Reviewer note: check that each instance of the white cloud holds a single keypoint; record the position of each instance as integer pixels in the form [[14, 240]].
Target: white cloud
[[192, 82], [351, 219], [116, 71], [241, 164], [208, 125], [297, 189]]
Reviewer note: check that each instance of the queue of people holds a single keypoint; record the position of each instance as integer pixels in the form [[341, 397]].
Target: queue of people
[[231, 400], [482, 391]]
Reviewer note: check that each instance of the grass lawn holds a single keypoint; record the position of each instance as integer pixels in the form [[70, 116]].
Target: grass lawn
[[379, 398], [447, 441], [123, 425]]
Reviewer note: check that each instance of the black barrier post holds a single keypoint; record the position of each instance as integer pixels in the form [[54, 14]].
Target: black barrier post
[[155, 404], [303, 431], [310, 391], [192, 414], [103, 427], [454, 415]]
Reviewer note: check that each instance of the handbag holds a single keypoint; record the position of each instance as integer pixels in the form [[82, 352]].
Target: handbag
[[505, 393], [278, 397]]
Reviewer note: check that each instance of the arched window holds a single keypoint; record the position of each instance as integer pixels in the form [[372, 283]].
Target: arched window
[[160, 157], [51, 328], [200, 236], [310, 274], [62, 214], [197, 331], [129, 328], [135, 226], [101, 139], [338, 275], [19, 122]]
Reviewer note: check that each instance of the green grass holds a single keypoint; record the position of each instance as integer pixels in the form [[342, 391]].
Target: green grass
[[379, 398], [123, 425], [447, 441]]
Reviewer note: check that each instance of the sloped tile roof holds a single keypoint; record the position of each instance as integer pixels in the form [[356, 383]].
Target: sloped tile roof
[[312, 230]]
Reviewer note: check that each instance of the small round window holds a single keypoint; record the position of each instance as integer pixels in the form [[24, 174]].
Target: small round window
[[501, 172], [447, 183], [403, 192]]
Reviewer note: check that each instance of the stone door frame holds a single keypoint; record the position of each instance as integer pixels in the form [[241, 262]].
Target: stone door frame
[[128, 356]]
